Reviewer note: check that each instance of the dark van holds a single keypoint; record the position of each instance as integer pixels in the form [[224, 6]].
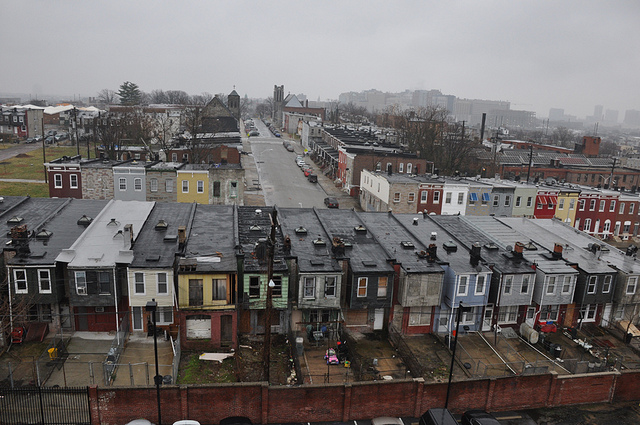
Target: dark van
[[438, 417], [313, 178]]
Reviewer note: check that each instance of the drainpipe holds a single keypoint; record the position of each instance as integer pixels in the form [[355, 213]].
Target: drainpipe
[[10, 305], [115, 298]]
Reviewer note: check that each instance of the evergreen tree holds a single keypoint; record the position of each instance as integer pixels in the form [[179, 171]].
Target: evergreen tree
[[129, 94]]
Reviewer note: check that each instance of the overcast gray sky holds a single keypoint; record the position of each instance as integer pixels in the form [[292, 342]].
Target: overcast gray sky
[[535, 54]]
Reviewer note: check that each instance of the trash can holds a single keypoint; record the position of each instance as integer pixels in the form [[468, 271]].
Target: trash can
[[53, 353], [299, 345], [557, 351], [167, 379]]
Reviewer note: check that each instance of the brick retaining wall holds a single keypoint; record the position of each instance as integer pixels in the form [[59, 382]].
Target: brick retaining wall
[[208, 404]]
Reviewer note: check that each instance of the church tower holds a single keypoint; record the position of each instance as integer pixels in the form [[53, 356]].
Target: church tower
[[233, 103]]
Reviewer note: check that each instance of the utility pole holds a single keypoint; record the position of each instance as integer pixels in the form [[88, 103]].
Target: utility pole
[[271, 243], [613, 167]]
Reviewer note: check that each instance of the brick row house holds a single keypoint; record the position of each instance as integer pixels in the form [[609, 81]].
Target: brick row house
[[94, 264]]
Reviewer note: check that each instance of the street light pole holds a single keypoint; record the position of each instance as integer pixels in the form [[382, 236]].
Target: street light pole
[[269, 304], [151, 307], [453, 353]]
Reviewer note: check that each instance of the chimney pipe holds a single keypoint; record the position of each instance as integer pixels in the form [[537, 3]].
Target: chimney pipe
[[128, 235], [557, 251], [475, 254], [518, 249], [484, 119], [182, 235], [432, 252]]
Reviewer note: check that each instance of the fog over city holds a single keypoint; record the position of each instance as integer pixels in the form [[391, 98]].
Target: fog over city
[[534, 54]]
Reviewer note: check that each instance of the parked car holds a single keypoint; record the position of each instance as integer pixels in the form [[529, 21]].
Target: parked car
[[29, 140], [254, 133], [437, 416], [37, 139], [50, 140], [308, 172], [478, 417], [386, 420], [236, 420], [277, 134], [301, 164], [313, 178], [331, 202]]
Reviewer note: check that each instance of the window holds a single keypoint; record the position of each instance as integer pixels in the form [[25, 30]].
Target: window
[[518, 200], [424, 195], [566, 286], [618, 314], [460, 198], [330, 287], [254, 287], [185, 186], [411, 197], [169, 185], [549, 313], [551, 285], [362, 287], [572, 204], [447, 198], [396, 197], [195, 293], [507, 200], [606, 286], [631, 207], [473, 197], [480, 285], [276, 291], [163, 287], [233, 189], [73, 181], [587, 225], [309, 287], [200, 186], [612, 206], [57, 181], [462, 285], [468, 317], [419, 316], [378, 166], [622, 208], [44, 281], [529, 201], [104, 283], [588, 312], [591, 288], [508, 314], [436, 197], [581, 204], [496, 200], [174, 157], [153, 185], [138, 287], [185, 157], [81, 283], [219, 289], [401, 168], [631, 285], [382, 286], [216, 189], [524, 289], [137, 184], [561, 204], [592, 205], [122, 183], [164, 315], [409, 168], [508, 282], [20, 279]]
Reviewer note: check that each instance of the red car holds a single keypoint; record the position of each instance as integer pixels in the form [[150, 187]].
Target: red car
[[308, 171]]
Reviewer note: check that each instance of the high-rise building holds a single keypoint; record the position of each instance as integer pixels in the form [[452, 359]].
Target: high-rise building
[[556, 114], [611, 116]]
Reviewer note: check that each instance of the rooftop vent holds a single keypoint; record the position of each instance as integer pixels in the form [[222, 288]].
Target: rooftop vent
[[407, 244], [43, 234], [490, 246], [319, 241], [415, 221], [258, 212], [360, 229], [301, 231], [367, 263], [84, 220], [434, 236], [113, 222], [161, 225], [255, 228], [170, 238], [317, 262], [153, 258], [530, 246], [450, 246], [15, 220]]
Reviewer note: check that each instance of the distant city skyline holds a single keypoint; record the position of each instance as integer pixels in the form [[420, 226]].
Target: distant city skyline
[[537, 55]]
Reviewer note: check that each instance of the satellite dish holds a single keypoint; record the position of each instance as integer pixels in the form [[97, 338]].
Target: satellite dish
[[509, 248]]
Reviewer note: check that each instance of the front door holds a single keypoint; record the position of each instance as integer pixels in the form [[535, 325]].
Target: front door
[[82, 324], [488, 318], [226, 329], [137, 318], [378, 320]]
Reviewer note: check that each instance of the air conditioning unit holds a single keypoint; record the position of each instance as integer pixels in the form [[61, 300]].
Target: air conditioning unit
[[99, 309], [82, 290]]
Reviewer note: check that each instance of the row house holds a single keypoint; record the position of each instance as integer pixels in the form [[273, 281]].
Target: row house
[[418, 279], [36, 231], [479, 199], [597, 212], [368, 281], [512, 279], [545, 203], [466, 279], [150, 275], [455, 194], [312, 262], [264, 286], [221, 184], [95, 266], [207, 278], [21, 121], [430, 195]]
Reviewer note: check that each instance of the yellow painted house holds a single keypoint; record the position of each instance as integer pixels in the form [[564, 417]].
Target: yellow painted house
[[193, 184], [567, 205]]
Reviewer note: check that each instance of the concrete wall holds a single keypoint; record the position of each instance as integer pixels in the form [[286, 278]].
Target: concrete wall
[[360, 400]]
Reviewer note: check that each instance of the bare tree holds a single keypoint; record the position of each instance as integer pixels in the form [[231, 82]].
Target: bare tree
[[201, 99], [266, 108], [107, 97], [562, 136], [158, 97], [126, 126]]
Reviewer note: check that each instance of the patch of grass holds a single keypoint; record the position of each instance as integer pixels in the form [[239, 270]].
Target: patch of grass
[[29, 165], [196, 371], [35, 190]]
